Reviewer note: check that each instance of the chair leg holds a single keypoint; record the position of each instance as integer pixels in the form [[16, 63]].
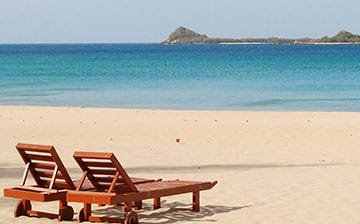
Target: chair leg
[[157, 203], [196, 201], [22, 207], [127, 208]]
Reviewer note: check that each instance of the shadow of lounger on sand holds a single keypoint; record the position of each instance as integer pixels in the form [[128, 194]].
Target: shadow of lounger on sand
[[172, 213]]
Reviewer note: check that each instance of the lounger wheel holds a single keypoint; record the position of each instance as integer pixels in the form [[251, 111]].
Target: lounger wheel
[[20, 209], [81, 216], [131, 218], [66, 213], [138, 205]]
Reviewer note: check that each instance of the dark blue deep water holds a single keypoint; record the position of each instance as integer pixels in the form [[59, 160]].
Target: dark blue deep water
[[201, 77]]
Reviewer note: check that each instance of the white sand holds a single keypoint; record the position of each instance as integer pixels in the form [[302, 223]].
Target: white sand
[[272, 167]]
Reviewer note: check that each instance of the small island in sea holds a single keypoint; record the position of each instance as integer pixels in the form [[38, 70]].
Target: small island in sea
[[184, 35]]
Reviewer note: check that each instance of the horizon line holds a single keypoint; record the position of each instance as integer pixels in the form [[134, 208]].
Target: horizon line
[[64, 43]]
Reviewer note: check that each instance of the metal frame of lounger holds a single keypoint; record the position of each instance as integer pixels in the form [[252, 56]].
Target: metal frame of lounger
[[51, 178], [96, 165]]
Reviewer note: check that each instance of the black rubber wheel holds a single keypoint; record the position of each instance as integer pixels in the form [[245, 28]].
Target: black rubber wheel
[[138, 205], [81, 216], [66, 213], [131, 218]]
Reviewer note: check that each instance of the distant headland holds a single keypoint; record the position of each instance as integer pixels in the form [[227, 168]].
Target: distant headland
[[184, 35]]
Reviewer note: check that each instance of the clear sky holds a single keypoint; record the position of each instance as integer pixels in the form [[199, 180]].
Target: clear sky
[[108, 21]]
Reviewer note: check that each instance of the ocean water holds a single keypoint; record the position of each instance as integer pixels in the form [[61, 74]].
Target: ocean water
[[196, 77]]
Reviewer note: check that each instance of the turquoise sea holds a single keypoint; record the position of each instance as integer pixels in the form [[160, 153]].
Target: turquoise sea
[[199, 77]]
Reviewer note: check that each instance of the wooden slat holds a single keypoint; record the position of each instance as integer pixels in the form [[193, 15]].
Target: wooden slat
[[98, 164], [33, 148], [38, 189], [101, 172], [44, 166], [93, 155], [39, 157]]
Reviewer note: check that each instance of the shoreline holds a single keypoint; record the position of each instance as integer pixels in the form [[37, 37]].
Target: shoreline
[[176, 110], [201, 43]]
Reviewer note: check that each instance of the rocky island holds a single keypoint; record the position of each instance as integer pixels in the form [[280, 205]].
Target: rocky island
[[184, 35]]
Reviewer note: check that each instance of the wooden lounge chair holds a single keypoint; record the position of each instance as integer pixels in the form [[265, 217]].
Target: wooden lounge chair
[[52, 181], [51, 178], [103, 170]]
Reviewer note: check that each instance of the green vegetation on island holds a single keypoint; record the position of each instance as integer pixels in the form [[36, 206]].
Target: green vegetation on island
[[342, 37], [183, 35]]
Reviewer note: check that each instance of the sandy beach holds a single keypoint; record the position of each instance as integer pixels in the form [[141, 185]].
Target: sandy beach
[[271, 167]]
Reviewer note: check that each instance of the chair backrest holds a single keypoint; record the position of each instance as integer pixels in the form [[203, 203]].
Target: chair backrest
[[45, 166], [104, 171]]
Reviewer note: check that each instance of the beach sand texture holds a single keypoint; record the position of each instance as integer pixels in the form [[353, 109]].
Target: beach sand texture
[[271, 167]]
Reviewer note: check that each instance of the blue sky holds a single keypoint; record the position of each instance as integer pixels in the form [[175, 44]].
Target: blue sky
[[108, 21]]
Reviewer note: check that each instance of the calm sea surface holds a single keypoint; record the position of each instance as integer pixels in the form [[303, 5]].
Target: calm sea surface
[[201, 77]]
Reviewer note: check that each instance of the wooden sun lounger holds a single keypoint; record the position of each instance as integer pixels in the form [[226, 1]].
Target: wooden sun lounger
[[51, 178], [97, 167], [52, 181]]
